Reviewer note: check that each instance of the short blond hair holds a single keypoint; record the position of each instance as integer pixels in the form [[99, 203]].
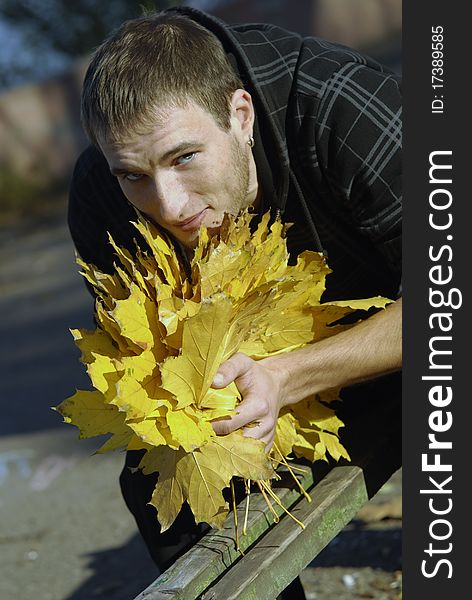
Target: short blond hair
[[152, 63]]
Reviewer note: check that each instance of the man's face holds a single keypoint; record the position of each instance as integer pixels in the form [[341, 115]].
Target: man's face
[[186, 172]]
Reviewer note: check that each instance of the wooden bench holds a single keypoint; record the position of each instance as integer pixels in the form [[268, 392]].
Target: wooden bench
[[276, 553]]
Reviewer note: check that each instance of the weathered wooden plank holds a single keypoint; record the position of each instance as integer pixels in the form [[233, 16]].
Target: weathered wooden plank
[[284, 551], [196, 570]]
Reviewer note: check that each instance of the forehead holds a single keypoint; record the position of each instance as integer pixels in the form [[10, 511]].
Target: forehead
[[167, 132], [166, 120]]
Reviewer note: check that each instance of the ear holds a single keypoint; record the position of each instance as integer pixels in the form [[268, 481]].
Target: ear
[[242, 113]]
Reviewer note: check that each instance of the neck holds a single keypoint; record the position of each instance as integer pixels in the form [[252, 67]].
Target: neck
[[254, 194]]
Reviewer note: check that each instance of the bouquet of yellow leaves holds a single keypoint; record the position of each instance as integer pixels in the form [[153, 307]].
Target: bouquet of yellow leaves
[[163, 335]]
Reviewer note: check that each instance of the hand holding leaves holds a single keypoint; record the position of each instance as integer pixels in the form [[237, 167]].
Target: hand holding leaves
[[261, 393]]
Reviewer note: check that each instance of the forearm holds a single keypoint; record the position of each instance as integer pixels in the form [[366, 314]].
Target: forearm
[[369, 349]]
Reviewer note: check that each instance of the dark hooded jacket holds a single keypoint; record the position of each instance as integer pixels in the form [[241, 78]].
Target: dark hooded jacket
[[327, 151], [328, 156]]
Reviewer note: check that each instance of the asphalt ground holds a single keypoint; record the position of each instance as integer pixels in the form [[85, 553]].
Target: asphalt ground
[[65, 533]]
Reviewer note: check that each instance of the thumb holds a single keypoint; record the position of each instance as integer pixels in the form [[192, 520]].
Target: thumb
[[231, 369]]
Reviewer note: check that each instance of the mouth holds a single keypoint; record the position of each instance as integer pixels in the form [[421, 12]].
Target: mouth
[[194, 222]]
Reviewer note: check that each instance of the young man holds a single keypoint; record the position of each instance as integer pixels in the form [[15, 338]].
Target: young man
[[190, 119]]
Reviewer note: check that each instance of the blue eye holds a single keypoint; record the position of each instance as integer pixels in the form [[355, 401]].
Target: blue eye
[[185, 158], [133, 177]]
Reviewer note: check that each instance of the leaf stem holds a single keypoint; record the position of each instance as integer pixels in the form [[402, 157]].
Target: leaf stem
[[276, 499], [235, 517], [247, 483], [268, 502], [284, 462]]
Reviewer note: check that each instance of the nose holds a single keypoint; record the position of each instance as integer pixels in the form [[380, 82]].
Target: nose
[[170, 196]]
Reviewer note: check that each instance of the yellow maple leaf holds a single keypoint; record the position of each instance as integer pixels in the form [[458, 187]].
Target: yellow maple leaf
[[220, 273], [190, 433], [91, 343], [189, 375], [314, 413], [168, 495], [149, 430], [95, 417], [200, 476], [136, 318], [104, 374], [285, 434]]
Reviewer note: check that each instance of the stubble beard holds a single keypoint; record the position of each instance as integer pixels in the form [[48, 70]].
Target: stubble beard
[[240, 160], [238, 197]]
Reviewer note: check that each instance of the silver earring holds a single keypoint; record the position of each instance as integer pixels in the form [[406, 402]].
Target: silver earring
[[250, 142]]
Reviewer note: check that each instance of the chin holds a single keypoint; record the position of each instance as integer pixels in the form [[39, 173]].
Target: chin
[[189, 242]]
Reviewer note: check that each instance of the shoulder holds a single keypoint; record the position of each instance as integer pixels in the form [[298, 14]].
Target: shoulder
[[343, 95], [265, 44], [299, 71], [324, 67]]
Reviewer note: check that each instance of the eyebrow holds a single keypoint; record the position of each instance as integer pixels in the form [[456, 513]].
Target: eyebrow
[[177, 150]]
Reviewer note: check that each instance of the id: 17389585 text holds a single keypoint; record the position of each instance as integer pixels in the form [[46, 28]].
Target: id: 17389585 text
[[437, 69]]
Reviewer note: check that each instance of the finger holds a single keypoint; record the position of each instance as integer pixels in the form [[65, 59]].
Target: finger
[[247, 412], [258, 434], [234, 367], [223, 426]]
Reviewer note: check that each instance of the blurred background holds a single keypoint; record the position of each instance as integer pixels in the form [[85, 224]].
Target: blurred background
[[64, 530]]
